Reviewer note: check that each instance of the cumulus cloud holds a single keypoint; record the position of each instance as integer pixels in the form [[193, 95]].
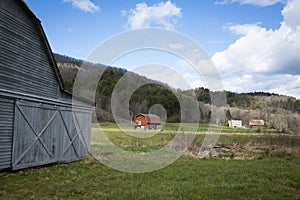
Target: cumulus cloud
[[202, 74], [291, 14], [84, 5], [167, 74], [242, 29], [290, 86], [260, 3], [279, 84], [164, 14], [264, 52]]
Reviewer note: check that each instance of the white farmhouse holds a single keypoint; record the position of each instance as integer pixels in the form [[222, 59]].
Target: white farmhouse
[[235, 123]]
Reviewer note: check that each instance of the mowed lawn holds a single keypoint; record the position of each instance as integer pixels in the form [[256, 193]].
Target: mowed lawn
[[268, 177]]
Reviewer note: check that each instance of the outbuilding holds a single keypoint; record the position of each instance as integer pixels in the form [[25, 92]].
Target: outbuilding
[[39, 122], [256, 123], [235, 123], [147, 121]]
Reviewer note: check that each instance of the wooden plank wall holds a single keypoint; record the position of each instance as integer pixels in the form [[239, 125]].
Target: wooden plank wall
[[47, 134], [6, 131]]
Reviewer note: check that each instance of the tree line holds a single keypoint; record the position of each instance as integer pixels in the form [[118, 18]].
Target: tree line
[[269, 106]]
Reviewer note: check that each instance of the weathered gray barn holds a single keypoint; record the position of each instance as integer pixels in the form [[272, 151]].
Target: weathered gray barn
[[38, 124]]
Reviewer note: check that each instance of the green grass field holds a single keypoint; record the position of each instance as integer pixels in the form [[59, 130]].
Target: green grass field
[[187, 178], [265, 176], [227, 136]]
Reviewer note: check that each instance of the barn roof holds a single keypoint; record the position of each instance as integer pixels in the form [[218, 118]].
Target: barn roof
[[28, 9], [257, 122], [49, 52], [151, 119]]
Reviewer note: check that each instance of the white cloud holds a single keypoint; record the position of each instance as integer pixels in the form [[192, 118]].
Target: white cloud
[[124, 13], [176, 46], [292, 87], [188, 76], [167, 74], [84, 5], [262, 52], [164, 14], [243, 29], [280, 84], [195, 80], [199, 83], [291, 14], [260, 3], [202, 74]]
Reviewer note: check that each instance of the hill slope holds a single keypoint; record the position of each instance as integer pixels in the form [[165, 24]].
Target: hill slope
[[280, 112]]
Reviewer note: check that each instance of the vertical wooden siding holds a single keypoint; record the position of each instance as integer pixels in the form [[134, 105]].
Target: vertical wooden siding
[[6, 131], [46, 134], [25, 63]]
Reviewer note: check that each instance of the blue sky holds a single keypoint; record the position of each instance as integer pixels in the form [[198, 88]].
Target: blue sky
[[253, 43]]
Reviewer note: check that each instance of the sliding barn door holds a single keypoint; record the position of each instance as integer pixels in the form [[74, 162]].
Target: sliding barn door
[[46, 134]]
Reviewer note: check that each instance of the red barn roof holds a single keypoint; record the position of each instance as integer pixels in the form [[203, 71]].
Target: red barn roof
[[257, 122], [151, 119]]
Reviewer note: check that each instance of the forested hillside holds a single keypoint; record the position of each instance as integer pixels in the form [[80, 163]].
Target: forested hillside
[[279, 112], [141, 100]]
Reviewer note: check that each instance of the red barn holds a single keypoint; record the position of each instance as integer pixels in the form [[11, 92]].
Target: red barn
[[147, 121], [256, 123]]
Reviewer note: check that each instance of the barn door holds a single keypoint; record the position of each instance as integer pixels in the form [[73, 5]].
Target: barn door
[[74, 140], [46, 134], [34, 140]]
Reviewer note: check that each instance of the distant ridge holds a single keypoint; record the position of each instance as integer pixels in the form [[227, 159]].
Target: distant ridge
[[280, 112]]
